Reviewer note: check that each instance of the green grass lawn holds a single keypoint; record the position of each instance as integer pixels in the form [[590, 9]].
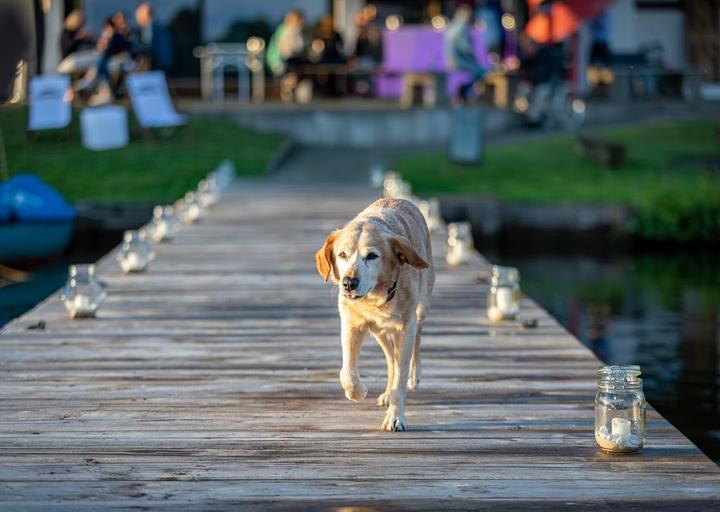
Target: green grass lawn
[[665, 177], [142, 172]]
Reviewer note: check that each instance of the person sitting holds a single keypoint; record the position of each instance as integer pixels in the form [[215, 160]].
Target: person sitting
[[115, 46], [285, 53], [368, 48], [460, 51], [154, 40], [74, 37], [327, 48], [77, 46]]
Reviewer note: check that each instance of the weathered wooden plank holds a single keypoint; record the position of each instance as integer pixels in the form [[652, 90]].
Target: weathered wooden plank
[[210, 382]]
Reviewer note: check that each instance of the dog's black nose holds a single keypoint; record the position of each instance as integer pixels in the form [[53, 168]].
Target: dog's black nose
[[350, 283]]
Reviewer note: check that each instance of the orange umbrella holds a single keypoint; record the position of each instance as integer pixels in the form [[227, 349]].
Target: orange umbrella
[[562, 18]]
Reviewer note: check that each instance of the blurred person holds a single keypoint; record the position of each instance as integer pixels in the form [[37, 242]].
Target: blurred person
[[74, 37], [77, 45], [543, 68], [327, 48], [154, 42], [116, 50], [368, 52], [286, 53], [488, 15], [599, 72], [332, 47], [368, 48], [460, 51]]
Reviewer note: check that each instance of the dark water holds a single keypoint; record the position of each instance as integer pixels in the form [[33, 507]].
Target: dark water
[[658, 309]]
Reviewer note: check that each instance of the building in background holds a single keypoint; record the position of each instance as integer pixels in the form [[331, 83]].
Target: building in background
[[678, 34]]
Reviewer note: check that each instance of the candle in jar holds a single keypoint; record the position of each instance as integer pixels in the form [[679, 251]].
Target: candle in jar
[[193, 212], [160, 231], [82, 304], [504, 300], [131, 262], [494, 314], [621, 427]]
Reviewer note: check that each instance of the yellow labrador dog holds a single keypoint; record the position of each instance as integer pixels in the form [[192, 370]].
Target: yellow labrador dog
[[382, 263]]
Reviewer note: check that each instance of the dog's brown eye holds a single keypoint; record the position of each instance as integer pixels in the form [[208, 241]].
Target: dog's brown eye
[[371, 256], [342, 255]]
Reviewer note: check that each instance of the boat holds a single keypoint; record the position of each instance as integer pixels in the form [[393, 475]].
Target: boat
[[35, 220]]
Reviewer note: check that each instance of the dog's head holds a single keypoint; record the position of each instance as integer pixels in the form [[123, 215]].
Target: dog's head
[[362, 256]]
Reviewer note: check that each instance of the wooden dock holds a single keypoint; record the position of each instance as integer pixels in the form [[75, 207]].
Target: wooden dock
[[211, 383]]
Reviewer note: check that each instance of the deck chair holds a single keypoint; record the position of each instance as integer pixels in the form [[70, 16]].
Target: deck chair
[[150, 100], [50, 104]]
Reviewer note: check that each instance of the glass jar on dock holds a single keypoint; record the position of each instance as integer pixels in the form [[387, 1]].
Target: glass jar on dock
[[460, 244], [135, 252], [503, 302], [188, 209], [82, 293], [395, 187], [164, 225], [620, 409], [430, 208]]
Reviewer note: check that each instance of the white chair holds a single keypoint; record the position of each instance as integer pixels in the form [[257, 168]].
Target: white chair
[[151, 102], [50, 103]]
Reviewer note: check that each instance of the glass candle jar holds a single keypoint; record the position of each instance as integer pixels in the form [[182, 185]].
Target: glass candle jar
[[164, 225], [503, 301], [620, 409], [460, 243], [377, 176], [135, 252], [395, 187], [224, 175], [208, 193], [431, 211], [188, 209], [82, 293]]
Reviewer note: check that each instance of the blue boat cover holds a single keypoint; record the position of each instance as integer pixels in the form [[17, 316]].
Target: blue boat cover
[[26, 198]]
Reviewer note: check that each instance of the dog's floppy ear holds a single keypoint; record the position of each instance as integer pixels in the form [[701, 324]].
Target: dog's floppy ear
[[406, 253], [324, 258]]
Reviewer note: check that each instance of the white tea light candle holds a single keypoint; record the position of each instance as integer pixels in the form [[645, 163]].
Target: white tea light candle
[[621, 427], [82, 305]]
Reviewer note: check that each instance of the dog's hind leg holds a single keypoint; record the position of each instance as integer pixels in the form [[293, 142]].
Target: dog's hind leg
[[416, 364], [386, 345], [352, 338]]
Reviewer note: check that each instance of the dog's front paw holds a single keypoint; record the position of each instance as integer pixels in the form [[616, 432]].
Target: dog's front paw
[[384, 399], [355, 390], [356, 393], [394, 421]]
